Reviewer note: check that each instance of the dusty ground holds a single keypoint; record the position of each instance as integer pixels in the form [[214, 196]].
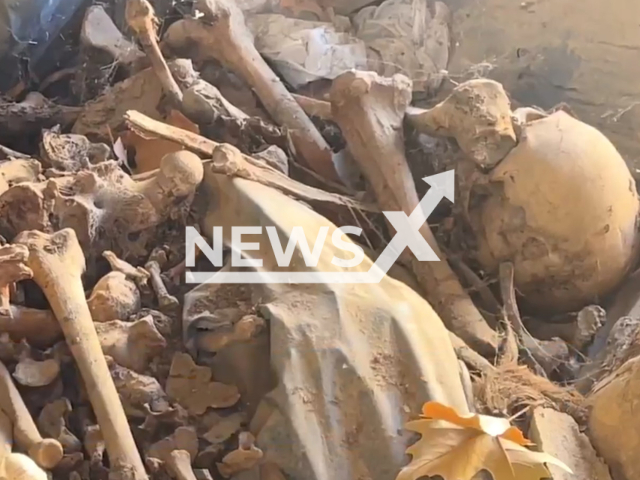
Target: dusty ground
[[549, 51]]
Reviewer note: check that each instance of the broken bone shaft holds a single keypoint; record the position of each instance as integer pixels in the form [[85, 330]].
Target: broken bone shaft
[[45, 452], [58, 263]]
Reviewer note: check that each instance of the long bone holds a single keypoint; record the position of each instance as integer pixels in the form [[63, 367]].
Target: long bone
[[369, 110], [58, 263], [45, 452]]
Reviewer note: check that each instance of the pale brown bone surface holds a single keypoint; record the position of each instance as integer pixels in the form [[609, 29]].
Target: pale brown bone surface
[[478, 115], [229, 160], [12, 269], [223, 35], [58, 264], [142, 20], [103, 204], [114, 297], [369, 110], [165, 300], [45, 452], [177, 452], [131, 344], [15, 466], [38, 327]]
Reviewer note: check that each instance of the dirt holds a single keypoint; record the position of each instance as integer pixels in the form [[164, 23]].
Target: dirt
[[550, 51]]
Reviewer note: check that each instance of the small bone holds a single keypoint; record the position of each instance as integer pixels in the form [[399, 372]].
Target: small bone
[[244, 458], [222, 35], [138, 274], [114, 297], [45, 452], [142, 20], [177, 452], [369, 110], [94, 443], [131, 344], [12, 269], [165, 301], [52, 421], [15, 466], [57, 263], [99, 31]]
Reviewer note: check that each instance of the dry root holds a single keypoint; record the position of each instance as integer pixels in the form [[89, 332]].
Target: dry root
[[510, 388]]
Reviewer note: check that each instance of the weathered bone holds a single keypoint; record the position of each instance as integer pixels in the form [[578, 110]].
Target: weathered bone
[[114, 297], [141, 18], [131, 344], [138, 274], [165, 300], [369, 110], [478, 115], [58, 264], [38, 327], [13, 269], [229, 160], [15, 466], [223, 35], [45, 452], [18, 170], [104, 204], [177, 452]]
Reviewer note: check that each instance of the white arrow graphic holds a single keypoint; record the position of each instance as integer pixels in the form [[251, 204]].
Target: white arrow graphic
[[407, 236]]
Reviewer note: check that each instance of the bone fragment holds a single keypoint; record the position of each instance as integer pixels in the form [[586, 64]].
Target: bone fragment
[[99, 31], [58, 263], [177, 452]]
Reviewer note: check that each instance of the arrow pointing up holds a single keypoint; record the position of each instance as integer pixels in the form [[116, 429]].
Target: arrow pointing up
[[444, 182]]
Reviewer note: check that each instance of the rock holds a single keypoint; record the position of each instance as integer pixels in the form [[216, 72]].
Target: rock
[[558, 435], [614, 423]]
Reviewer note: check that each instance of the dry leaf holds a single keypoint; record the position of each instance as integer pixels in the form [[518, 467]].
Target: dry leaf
[[190, 385], [149, 151], [457, 447]]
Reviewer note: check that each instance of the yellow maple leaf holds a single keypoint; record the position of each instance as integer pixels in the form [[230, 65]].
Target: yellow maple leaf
[[457, 447]]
